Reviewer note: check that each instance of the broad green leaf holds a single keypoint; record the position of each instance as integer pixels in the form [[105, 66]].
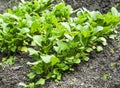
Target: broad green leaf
[[31, 85], [79, 27], [4, 26], [55, 71], [99, 48], [4, 59], [54, 60], [89, 49], [56, 48], [37, 39], [40, 81], [28, 35], [94, 14], [98, 28], [104, 41], [112, 36], [68, 37], [11, 60], [56, 40], [58, 76], [25, 30], [24, 49], [85, 33], [66, 25], [93, 38], [23, 1], [14, 48], [31, 75], [76, 60], [46, 58], [61, 46], [63, 66], [35, 26], [11, 16], [32, 51], [22, 84], [86, 58], [115, 12]]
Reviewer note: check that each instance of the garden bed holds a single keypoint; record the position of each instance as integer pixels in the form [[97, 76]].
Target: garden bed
[[101, 71]]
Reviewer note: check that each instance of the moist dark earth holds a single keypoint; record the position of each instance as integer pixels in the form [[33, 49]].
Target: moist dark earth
[[87, 74]]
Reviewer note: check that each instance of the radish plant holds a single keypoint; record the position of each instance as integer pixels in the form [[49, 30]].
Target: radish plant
[[55, 40]]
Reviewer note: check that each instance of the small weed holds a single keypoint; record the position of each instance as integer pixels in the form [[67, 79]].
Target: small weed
[[113, 64], [112, 50], [106, 76]]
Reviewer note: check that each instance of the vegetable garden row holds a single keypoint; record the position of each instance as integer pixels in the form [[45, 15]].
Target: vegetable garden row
[[55, 39]]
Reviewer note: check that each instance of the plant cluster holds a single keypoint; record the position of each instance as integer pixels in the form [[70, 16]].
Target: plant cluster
[[52, 37]]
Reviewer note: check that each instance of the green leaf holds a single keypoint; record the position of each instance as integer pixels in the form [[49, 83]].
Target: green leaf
[[24, 49], [46, 58], [104, 41], [40, 81], [106, 76], [99, 48], [89, 49], [58, 76], [54, 60], [66, 25], [61, 46], [11, 60], [22, 84], [86, 58], [25, 30], [11, 16], [76, 60], [23, 1], [13, 49], [85, 33], [112, 36], [56, 40], [35, 25], [68, 37], [37, 39], [113, 64], [31, 85], [98, 28], [32, 51], [115, 12], [31, 75], [34, 63]]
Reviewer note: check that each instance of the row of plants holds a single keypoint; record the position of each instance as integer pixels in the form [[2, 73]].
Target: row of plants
[[55, 39]]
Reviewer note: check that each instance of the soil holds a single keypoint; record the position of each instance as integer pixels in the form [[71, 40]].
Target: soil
[[87, 74]]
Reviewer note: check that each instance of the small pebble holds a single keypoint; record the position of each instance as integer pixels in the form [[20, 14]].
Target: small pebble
[[17, 67]]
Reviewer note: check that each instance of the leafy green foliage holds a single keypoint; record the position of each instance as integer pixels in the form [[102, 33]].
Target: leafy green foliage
[[53, 38]]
